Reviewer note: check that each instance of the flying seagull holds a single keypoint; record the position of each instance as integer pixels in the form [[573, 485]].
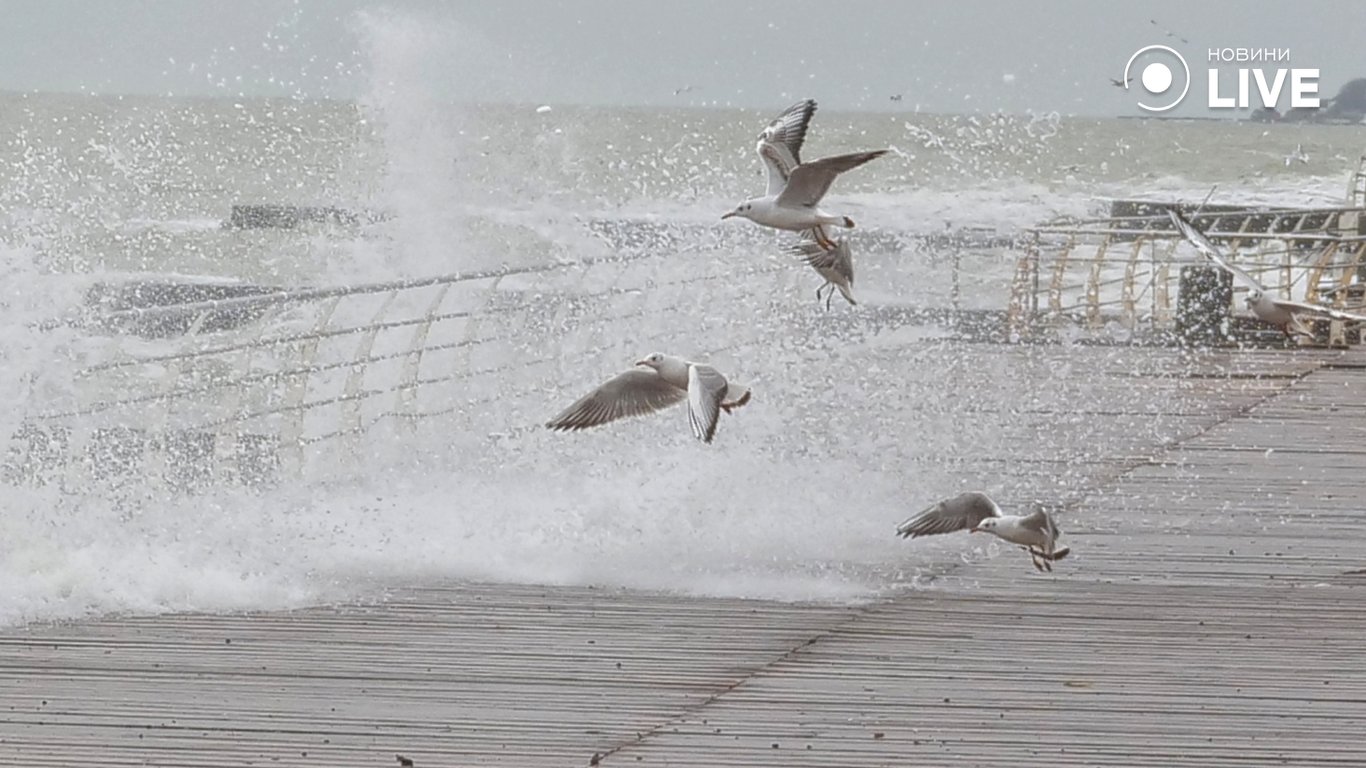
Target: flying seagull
[[975, 511], [1282, 313], [1168, 31], [795, 188], [835, 266], [1116, 82], [658, 382], [1299, 155]]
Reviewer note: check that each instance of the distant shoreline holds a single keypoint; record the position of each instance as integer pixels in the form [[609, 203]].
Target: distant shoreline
[[331, 101]]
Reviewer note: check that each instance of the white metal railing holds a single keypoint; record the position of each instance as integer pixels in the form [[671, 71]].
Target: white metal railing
[[328, 363], [1356, 185], [1125, 269]]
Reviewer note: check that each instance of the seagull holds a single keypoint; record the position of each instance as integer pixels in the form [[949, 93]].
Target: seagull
[[1282, 313], [835, 266], [1298, 155], [683, 90], [795, 188], [1116, 82], [1168, 31], [659, 382], [975, 511]]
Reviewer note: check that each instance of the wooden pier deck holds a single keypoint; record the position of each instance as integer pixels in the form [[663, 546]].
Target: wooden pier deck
[[1213, 614]]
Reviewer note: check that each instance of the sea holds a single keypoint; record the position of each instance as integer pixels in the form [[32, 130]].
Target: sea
[[856, 422]]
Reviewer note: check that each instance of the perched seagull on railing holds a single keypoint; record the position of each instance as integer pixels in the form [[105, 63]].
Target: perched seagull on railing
[[834, 265], [660, 382], [1282, 313], [974, 511], [795, 188]]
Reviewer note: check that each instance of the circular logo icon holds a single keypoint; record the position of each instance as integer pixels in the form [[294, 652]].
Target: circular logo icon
[[1157, 76]]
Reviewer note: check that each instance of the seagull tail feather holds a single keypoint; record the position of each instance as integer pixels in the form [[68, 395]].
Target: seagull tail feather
[[728, 407]]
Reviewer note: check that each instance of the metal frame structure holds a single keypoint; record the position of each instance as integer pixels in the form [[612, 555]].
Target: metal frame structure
[[1093, 272], [314, 369], [1356, 185], [325, 365]]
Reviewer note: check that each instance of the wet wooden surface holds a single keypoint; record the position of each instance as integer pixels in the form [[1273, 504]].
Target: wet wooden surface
[[1213, 613]]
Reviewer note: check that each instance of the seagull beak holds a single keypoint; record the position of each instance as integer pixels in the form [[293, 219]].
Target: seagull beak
[[642, 362], [725, 216], [974, 529]]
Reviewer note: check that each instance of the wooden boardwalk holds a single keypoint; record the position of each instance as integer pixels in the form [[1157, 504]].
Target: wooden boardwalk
[[1213, 614]]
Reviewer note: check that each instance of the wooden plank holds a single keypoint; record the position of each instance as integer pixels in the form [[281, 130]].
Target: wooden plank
[[1208, 616]]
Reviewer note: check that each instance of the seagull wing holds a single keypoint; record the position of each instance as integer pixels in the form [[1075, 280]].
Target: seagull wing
[[1314, 309], [1203, 244], [809, 182], [1042, 522], [706, 390], [959, 513], [838, 260], [778, 163], [780, 144], [789, 128], [634, 393]]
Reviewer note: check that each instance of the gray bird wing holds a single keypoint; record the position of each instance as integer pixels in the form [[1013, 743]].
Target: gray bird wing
[[780, 144], [964, 511], [1042, 522], [634, 393], [809, 182], [1315, 309], [778, 164], [838, 260], [1211, 251], [706, 391]]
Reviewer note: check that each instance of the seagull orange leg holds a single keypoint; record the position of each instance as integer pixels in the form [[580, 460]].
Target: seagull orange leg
[[823, 240]]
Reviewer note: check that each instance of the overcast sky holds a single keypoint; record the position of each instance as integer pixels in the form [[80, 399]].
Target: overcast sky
[[941, 56]]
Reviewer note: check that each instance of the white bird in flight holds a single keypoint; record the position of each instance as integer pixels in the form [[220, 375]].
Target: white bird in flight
[[976, 512], [660, 382], [795, 188], [834, 265], [1282, 313]]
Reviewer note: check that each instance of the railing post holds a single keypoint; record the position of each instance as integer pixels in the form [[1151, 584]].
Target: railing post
[[412, 362], [351, 403], [292, 430], [1093, 285], [1128, 302], [1059, 271]]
